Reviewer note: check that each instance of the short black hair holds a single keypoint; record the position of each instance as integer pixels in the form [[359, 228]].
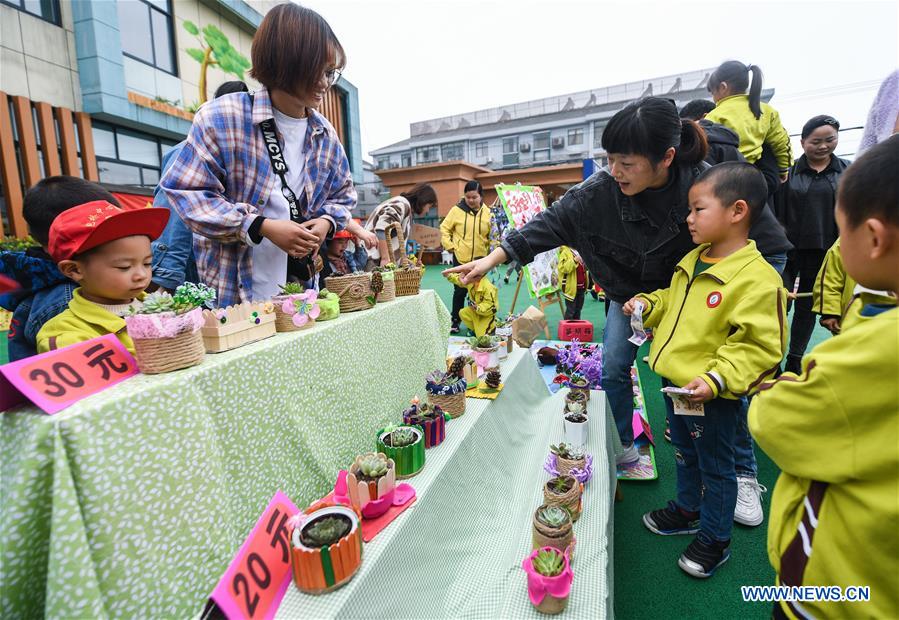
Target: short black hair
[[870, 187], [696, 109], [649, 127], [737, 180], [53, 195], [233, 86], [473, 186]]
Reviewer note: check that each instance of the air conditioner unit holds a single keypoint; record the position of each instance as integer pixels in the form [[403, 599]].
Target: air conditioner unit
[[558, 143], [524, 148]]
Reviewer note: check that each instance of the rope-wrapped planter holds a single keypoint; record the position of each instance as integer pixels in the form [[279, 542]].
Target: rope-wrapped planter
[[283, 320], [570, 499], [546, 535], [450, 398], [165, 342], [353, 289], [407, 277]]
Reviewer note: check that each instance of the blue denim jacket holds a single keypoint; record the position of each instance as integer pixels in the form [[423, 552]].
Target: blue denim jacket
[[173, 252], [45, 293]]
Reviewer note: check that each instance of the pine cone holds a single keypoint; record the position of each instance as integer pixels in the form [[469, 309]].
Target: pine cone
[[457, 367], [377, 283], [493, 379]]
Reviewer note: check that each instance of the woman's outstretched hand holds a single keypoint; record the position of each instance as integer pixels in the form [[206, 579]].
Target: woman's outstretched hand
[[473, 271]]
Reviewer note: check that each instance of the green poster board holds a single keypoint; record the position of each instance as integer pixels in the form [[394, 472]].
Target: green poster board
[[522, 203]]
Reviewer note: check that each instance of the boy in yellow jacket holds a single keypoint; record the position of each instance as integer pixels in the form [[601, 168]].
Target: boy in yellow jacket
[[834, 429], [719, 332], [480, 315], [106, 250]]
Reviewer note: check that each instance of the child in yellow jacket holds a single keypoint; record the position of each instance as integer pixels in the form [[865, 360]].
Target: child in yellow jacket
[[834, 430], [718, 332], [106, 250], [480, 314], [756, 122]]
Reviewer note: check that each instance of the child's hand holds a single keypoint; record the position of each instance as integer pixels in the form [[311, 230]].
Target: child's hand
[[832, 325], [702, 393], [630, 305]]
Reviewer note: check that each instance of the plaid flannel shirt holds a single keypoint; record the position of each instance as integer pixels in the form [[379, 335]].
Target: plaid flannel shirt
[[222, 179]]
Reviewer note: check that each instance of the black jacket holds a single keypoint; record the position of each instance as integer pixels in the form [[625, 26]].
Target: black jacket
[[806, 202], [769, 236], [606, 228]]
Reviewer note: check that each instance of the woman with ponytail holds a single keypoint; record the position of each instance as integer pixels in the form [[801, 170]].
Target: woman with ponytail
[[628, 223], [757, 123]]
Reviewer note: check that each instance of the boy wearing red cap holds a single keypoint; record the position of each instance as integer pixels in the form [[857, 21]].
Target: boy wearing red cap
[[106, 250]]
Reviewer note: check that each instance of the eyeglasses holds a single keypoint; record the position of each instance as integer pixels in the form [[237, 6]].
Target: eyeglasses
[[332, 75]]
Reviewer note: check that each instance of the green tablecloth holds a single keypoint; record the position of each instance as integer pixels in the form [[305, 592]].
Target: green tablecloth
[[132, 502], [457, 551]]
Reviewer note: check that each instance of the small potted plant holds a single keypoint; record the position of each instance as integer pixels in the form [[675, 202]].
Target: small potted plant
[[565, 491], [328, 304], [485, 350], [354, 290], [299, 310], [447, 390], [166, 329], [284, 318], [549, 579], [405, 445], [492, 381], [504, 334], [574, 424], [371, 477], [568, 457], [430, 418], [575, 401], [326, 548], [578, 383], [552, 528]]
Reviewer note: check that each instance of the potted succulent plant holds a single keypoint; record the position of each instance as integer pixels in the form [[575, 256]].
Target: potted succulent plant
[[578, 383], [504, 334], [405, 445], [552, 527], [492, 381], [430, 418], [447, 390], [328, 304], [549, 579], [371, 477], [575, 401], [564, 490], [284, 318], [485, 350], [326, 548], [574, 424], [568, 457], [166, 328], [299, 311]]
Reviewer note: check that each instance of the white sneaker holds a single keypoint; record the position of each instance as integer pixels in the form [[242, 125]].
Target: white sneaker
[[630, 455], [749, 501]]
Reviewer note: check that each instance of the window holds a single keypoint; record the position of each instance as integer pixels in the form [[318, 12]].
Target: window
[[541, 146], [510, 151], [48, 10], [407, 160], [128, 157], [480, 149], [427, 154], [452, 152], [598, 127], [575, 136], [383, 162], [146, 27]]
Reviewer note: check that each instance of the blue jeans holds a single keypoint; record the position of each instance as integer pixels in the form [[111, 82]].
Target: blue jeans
[[704, 454], [618, 356], [744, 455]]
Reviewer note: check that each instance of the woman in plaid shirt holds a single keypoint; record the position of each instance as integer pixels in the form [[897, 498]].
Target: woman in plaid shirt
[[223, 184]]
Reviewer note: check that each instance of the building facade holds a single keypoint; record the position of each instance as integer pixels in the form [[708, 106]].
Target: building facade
[[103, 88]]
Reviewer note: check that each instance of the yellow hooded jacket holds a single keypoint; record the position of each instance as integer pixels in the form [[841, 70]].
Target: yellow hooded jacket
[[480, 316], [726, 325], [567, 272], [82, 320], [734, 112], [834, 431], [834, 287], [465, 232]]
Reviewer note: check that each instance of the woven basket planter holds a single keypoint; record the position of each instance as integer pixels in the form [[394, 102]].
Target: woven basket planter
[[566, 465], [388, 293], [158, 355], [450, 398], [284, 321], [547, 536], [407, 277], [571, 499], [321, 570], [353, 290], [408, 460]]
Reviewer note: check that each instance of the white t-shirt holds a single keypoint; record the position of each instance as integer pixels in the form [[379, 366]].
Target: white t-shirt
[[270, 261]]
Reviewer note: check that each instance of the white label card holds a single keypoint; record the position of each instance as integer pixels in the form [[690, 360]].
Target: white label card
[[682, 406]]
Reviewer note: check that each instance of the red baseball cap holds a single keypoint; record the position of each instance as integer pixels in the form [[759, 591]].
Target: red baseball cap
[[87, 226], [343, 234]]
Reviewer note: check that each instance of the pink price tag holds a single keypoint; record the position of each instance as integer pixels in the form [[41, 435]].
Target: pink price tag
[[259, 574], [60, 378]]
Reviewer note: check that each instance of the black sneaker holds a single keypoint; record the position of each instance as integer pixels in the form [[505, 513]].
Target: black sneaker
[[454, 329], [703, 557], [670, 521]]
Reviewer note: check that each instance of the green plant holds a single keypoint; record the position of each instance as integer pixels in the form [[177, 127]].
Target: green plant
[[483, 342], [553, 516], [402, 436], [292, 288], [156, 303], [561, 484], [548, 562], [567, 452], [325, 531], [189, 296], [17, 244], [215, 51], [373, 465]]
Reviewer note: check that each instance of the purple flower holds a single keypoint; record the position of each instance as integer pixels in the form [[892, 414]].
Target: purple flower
[[584, 474], [550, 465]]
